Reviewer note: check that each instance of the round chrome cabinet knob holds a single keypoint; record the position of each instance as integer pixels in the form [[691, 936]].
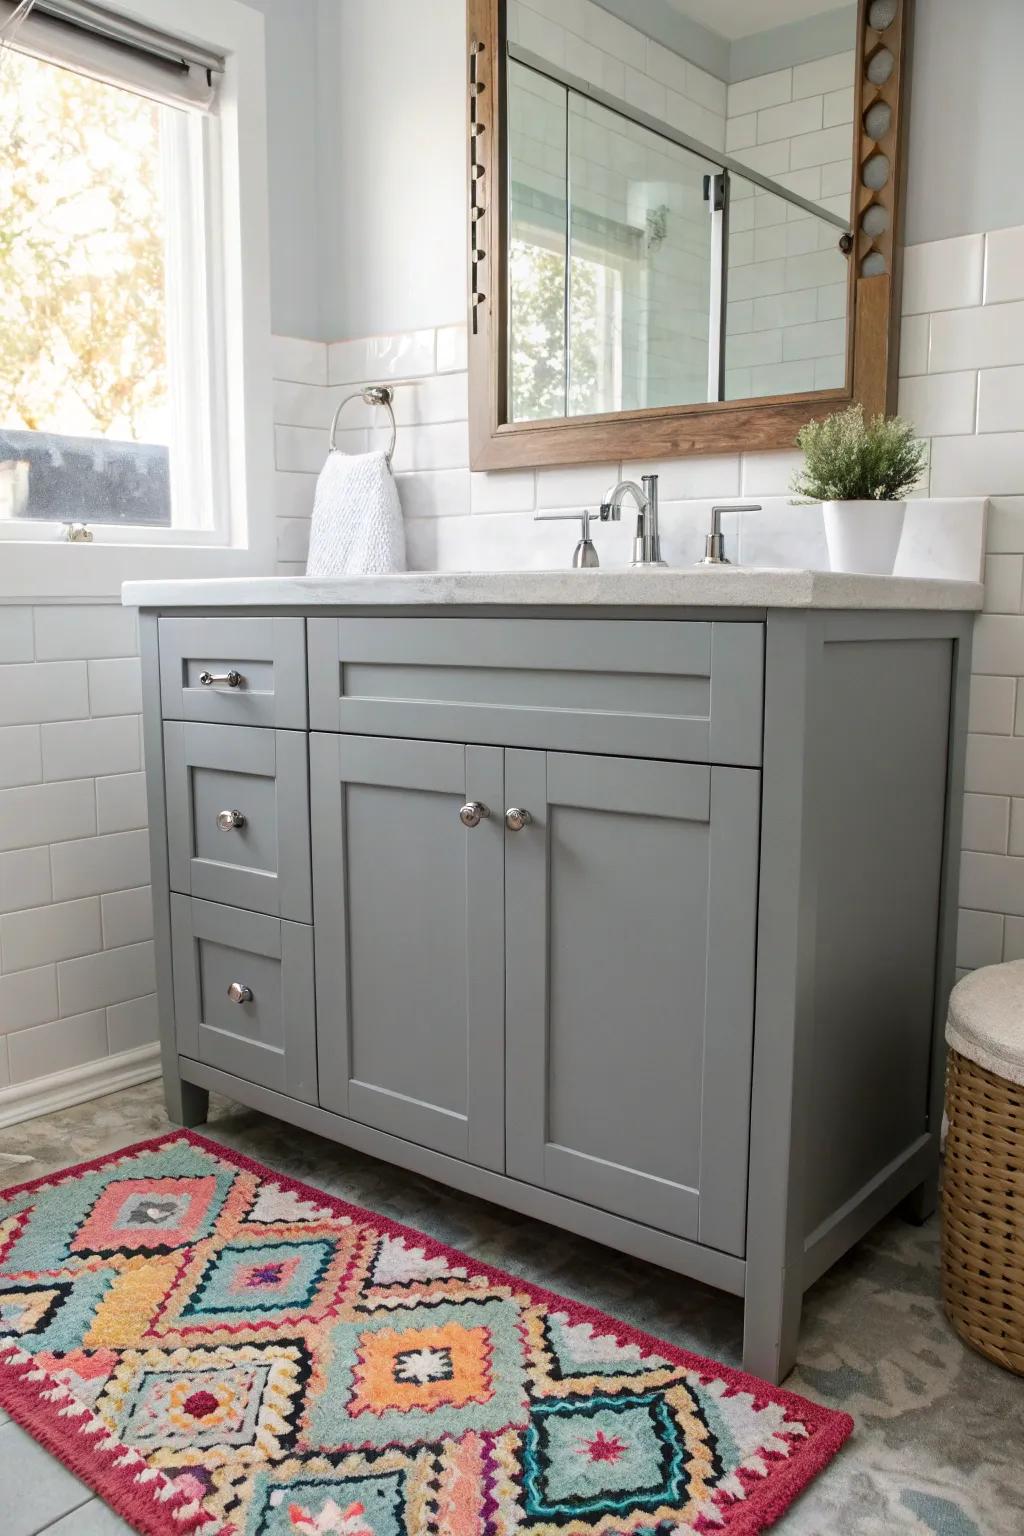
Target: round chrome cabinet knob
[[473, 813], [227, 821], [516, 818], [239, 992]]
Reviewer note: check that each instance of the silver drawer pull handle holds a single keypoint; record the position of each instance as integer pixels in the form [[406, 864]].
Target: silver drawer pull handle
[[473, 813], [516, 818], [239, 992], [233, 679], [227, 821]]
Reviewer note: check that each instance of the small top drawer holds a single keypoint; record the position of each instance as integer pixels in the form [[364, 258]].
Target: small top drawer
[[234, 671], [676, 689]]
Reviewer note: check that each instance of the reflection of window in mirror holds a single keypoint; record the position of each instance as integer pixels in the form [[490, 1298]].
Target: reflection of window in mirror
[[628, 286]]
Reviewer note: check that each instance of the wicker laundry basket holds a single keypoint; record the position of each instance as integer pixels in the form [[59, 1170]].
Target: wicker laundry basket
[[983, 1184]]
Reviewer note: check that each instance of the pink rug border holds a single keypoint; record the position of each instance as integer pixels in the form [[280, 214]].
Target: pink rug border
[[142, 1506]]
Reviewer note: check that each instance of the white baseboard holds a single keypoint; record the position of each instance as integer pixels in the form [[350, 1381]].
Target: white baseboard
[[43, 1095]]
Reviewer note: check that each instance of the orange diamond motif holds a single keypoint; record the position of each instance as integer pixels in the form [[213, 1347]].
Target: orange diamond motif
[[421, 1368]]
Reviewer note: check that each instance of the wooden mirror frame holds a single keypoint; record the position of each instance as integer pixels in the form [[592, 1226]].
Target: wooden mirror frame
[[665, 432]]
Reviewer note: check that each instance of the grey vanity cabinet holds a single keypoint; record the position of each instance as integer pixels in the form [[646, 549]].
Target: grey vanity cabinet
[[640, 921], [631, 899], [409, 944]]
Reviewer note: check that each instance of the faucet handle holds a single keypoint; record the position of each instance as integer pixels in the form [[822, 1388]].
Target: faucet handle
[[584, 556], [714, 542]]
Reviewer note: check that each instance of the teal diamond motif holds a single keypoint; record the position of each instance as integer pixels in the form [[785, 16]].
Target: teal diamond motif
[[265, 1278], [602, 1455]]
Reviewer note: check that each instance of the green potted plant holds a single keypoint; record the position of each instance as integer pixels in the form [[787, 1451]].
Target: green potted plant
[[861, 472]]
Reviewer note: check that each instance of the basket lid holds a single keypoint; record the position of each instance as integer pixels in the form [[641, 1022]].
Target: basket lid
[[986, 1019]]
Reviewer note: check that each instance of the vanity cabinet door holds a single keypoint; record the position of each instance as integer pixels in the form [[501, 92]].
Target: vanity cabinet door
[[409, 939], [630, 926]]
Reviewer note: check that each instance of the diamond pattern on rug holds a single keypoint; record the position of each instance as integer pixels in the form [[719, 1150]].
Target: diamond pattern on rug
[[146, 1216], [202, 1400], [265, 1278], [604, 1454], [217, 1349], [422, 1368]]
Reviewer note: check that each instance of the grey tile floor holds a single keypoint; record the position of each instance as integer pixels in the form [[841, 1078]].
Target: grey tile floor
[[938, 1448]]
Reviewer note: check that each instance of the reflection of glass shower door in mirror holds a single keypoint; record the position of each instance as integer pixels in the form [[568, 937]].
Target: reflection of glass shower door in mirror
[[787, 288], [624, 323], [640, 275]]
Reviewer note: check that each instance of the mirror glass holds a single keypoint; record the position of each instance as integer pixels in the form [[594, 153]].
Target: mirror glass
[[678, 180]]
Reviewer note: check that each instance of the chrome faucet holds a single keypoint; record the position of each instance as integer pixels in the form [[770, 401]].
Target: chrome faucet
[[714, 543], [647, 542]]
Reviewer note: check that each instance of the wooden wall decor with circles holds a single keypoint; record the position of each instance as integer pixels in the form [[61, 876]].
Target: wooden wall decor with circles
[[878, 121]]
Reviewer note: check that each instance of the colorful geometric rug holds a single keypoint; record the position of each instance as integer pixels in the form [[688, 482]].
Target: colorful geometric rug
[[215, 1348]]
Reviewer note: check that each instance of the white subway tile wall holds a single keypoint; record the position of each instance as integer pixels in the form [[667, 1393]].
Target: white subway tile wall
[[964, 336], [75, 914]]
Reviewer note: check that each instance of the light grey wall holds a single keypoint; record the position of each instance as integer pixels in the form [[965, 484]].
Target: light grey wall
[[393, 164], [965, 169], [291, 37]]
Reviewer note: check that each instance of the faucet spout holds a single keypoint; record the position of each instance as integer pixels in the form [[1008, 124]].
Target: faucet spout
[[647, 541]]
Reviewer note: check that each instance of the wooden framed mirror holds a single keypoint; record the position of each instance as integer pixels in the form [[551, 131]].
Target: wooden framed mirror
[[684, 226]]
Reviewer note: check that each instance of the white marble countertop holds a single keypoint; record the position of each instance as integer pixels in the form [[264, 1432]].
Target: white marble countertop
[[700, 587]]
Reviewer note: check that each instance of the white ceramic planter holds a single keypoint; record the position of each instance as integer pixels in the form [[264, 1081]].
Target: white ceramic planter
[[863, 536]]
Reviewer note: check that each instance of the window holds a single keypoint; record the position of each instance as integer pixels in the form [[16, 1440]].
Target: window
[[113, 403]]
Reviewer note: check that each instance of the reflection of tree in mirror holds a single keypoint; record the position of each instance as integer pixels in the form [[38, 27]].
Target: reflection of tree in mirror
[[537, 352], [595, 367], [82, 345], [657, 227]]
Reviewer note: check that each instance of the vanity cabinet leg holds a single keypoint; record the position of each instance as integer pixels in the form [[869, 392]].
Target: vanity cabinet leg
[[922, 1202], [187, 1104], [771, 1327]]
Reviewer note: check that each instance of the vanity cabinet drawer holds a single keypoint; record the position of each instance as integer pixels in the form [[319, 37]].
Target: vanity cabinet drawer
[[243, 994], [238, 816], [254, 671], [684, 690]]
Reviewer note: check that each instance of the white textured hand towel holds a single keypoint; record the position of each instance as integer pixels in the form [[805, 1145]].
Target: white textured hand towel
[[357, 518]]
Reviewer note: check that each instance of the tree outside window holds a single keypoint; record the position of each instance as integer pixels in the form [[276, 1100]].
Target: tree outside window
[[83, 345]]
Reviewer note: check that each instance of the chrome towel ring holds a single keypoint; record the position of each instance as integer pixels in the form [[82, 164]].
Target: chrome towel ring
[[373, 394]]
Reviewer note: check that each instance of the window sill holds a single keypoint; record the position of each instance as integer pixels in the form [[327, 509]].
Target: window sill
[[35, 571]]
